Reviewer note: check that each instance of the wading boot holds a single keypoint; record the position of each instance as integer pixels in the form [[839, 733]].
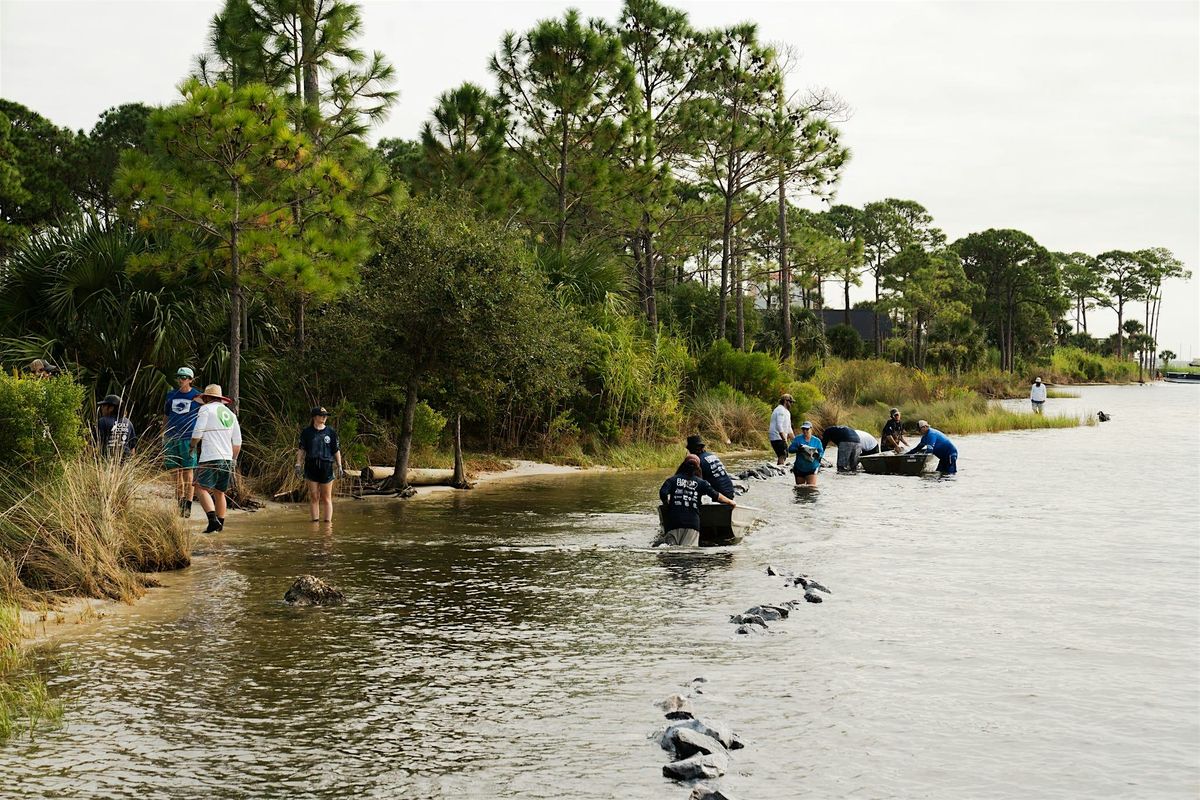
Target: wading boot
[[214, 524], [187, 509]]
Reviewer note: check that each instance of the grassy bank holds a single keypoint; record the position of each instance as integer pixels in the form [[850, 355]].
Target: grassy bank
[[81, 529]]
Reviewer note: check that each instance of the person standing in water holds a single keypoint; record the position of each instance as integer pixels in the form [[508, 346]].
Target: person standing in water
[[1037, 395], [711, 468], [940, 445], [808, 450], [849, 446], [680, 495], [780, 431], [318, 462]]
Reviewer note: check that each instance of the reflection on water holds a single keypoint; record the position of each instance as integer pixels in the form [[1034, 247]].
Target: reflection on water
[[1029, 628]]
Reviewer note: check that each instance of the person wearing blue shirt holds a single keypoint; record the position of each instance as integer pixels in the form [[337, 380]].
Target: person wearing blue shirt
[[179, 420], [940, 445], [711, 468], [808, 450]]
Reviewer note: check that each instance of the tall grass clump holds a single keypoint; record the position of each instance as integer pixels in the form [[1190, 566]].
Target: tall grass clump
[[88, 530], [955, 416], [25, 702], [730, 417]]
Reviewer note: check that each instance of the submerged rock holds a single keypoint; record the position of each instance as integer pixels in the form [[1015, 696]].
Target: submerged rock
[[1103, 417], [813, 597], [748, 619], [767, 612], [676, 707], [701, 765], [703, 792], [309, 590], [782, 573], [809, 583]]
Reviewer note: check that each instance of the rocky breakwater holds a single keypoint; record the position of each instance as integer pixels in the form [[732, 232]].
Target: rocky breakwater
[[700, 748]]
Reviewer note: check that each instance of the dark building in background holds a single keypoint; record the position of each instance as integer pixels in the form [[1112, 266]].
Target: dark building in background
[[861, 319]]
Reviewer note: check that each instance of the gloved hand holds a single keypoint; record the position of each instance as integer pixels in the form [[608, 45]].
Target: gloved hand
[[338, 472], [299, 471]]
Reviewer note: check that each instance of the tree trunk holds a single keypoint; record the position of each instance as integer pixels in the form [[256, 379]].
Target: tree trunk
[[875, 313], [235, 309], [308, 44], [1120, 329], [785, 271], [301, 303], [561, 233], [726, 234], [399, 480], [846, 302], [459, 481]]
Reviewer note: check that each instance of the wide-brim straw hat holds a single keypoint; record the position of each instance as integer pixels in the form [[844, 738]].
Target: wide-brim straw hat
[[213, 392]]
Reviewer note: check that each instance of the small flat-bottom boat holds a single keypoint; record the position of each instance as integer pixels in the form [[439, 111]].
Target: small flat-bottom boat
[[720, 525], [1182, 377], [899, 463]]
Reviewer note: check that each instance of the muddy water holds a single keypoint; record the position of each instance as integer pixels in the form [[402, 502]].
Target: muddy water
[[1028, 628]]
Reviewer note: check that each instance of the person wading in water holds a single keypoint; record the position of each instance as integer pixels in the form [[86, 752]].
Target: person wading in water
[[318, 462], [680, 495]]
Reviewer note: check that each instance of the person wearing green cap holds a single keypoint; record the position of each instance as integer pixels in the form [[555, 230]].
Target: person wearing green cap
[[179, 420]]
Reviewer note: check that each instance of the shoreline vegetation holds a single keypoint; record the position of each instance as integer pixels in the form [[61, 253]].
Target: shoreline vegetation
[[561, 266]]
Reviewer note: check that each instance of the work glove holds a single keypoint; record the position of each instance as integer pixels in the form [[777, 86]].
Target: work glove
[[299, 472], [338, 472]]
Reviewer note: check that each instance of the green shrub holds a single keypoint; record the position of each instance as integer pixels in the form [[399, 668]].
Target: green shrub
[[844, 341], [427, 425], [41, 420], [756, 374], [806, 395], [1074, 365]]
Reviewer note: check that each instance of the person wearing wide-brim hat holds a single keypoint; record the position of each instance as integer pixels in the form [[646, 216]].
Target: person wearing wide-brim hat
[[115, 435], [711, 468], [179, 420], [218, 438], [318, 462]]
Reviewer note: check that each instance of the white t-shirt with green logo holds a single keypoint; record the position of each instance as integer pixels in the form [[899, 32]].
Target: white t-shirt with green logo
[[218, 430]]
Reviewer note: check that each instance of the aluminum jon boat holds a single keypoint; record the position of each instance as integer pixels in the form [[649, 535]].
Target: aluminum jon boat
[[899, 463], [720, 525]]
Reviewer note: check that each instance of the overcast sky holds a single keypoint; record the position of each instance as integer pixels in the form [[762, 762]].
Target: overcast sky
[[1076, 122]]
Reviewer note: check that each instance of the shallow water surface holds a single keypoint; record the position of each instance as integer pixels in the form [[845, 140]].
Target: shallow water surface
[[1028, 628]]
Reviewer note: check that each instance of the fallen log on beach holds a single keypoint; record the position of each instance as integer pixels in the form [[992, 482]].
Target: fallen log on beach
[[416, 476]]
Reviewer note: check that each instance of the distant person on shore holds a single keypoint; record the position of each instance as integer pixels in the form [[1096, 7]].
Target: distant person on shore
[[808, 450], [870, 445], [940, 445], [849, 446], [1037, 395], [680, 495], [115, 435], [179, 418], [41, 369], [318, 461], [711, 468], [893, 432], [217, 437], [780, 432]]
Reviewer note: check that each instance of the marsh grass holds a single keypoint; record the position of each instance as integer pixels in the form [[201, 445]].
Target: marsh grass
[[87, 530], [25, 700], [957, 416]]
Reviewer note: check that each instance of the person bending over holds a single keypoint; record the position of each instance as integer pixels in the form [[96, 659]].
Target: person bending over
[[680, 495]]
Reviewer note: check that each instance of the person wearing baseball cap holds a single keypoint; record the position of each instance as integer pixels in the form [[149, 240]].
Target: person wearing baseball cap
[[217, 436], [808, 450], [780, 432], [318, 462], [680, 495], [115, 435], [940, 445], [179, 420], [893, 432], [711, 468], [1037, 395]]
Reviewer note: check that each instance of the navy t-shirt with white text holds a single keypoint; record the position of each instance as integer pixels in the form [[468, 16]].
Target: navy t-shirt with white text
[[681, 495], [714, 472]]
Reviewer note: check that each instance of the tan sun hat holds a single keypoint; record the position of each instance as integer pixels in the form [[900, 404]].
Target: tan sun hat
[[213, 392]]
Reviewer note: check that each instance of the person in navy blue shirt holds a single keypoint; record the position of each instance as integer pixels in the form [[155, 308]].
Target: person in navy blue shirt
[[680, 495], [940, 445], [318, 462], [849, 446], [711, 468], [179, 419]]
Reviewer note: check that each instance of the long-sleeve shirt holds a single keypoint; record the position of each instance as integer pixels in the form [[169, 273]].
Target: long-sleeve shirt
[[681, 494], [781, 424], [937, 443], [1037, 393], [713, 471]]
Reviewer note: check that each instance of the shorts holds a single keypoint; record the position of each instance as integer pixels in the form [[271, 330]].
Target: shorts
[[178, 454], [318, 471], [780, 447], [848, 455], [803, 473], [679, 537], [948, 465], [215, 475]]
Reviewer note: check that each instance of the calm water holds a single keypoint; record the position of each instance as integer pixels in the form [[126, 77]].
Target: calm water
[[1030, 628]]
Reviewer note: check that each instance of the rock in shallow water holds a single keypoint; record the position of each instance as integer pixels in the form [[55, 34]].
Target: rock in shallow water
[[703, 792], [309, 590], [715, 730], [699, 766], [686, 742], [676, 707]]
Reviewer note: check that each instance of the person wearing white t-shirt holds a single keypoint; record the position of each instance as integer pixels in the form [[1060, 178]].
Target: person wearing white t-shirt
[[218, 437], [870, 445], [780, 432], [1037, 395]]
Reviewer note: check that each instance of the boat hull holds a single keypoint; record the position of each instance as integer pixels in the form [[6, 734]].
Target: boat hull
[[899, 464], [720, 525], [1182, 377]]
